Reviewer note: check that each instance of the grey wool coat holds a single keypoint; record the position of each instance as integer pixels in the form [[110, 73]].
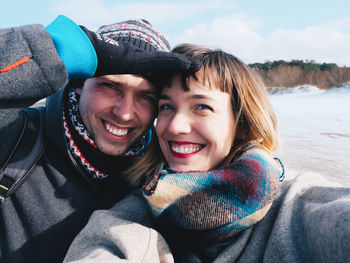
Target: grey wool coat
[[310, 222]]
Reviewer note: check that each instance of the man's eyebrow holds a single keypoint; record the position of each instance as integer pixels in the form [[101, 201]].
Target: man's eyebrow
[[152, 92], [114, 82], [120, 84]]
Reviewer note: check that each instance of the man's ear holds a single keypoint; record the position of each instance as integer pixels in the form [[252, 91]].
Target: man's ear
[[77, 84]]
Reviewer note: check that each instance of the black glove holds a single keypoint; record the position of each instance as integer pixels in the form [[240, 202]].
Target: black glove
[[124, 58]]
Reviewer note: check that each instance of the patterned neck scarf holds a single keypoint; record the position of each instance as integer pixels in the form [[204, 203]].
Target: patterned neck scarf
[[83, 148], [213, 206]]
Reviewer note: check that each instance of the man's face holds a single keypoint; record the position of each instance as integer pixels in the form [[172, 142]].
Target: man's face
[[117, 110]]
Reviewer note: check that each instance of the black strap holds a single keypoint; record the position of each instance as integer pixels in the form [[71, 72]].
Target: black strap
[[26, 153]]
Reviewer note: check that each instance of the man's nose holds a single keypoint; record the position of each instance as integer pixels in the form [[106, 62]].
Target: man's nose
[[124, 109]]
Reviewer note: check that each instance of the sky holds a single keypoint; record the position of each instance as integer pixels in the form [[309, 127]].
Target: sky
[[254, 31]]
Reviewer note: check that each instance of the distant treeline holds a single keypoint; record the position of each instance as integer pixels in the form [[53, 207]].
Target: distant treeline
[[307, 65], [294, 73]]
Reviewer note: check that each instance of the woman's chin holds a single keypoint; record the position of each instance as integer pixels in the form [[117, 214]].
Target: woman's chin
[[188, 168]]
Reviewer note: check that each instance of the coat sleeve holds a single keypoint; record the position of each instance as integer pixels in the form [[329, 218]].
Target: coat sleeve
[[121, 234], [30, 70], [313, 220], [309, 222]]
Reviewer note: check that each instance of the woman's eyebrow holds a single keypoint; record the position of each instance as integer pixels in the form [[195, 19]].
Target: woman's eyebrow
[[201, 97], [164, 97], [194, 96]]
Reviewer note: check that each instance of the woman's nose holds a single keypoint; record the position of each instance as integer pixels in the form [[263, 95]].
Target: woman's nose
[[180, 124]]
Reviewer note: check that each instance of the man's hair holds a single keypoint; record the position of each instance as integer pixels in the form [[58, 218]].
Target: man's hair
[[255, 119]]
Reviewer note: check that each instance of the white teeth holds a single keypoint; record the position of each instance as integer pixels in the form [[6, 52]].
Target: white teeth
[[185, 149], [115, 131]]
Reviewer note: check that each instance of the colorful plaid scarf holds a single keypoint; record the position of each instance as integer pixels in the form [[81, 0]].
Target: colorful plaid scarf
[[214, 206]]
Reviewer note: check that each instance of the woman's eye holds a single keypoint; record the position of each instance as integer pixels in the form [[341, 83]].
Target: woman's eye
[[203, 107], [165, 107]]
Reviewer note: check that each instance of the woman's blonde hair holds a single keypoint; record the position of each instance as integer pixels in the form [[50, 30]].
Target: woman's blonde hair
[[255, 119]]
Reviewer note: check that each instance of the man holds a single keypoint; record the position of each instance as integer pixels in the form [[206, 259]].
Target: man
[[93, 128]]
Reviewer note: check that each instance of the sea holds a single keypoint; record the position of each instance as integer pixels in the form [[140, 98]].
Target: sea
[[314, 127]]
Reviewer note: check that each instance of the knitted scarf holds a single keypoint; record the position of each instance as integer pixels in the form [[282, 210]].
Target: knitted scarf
[[213, 206], [83, 148]]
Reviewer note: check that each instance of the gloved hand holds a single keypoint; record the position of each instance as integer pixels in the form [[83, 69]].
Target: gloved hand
[[121, 57], [87, 54]]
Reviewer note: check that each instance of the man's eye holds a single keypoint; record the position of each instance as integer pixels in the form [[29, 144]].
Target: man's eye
[[148, 97], [116, 89], [164, 107], [107, 84], [203, 107]]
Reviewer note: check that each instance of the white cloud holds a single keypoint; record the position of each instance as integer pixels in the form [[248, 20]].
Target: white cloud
[[238, 34], [234, 34], [341, 24], [326, 43]]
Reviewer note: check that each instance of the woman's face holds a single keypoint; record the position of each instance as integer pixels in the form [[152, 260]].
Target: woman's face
[[195, 128]]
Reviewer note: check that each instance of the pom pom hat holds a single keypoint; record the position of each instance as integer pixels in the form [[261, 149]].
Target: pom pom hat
[[137, 32]]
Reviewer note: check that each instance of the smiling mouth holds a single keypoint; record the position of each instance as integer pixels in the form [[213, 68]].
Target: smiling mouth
[[115, 130], [185, 149]]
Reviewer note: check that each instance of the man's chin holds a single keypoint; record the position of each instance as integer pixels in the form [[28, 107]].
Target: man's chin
[[116, 149], [112, 149]]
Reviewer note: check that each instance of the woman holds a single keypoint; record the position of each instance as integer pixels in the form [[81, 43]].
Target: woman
[[214, 178]]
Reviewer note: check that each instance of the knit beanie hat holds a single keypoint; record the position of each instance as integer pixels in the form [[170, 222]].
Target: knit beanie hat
[[137, 32]]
